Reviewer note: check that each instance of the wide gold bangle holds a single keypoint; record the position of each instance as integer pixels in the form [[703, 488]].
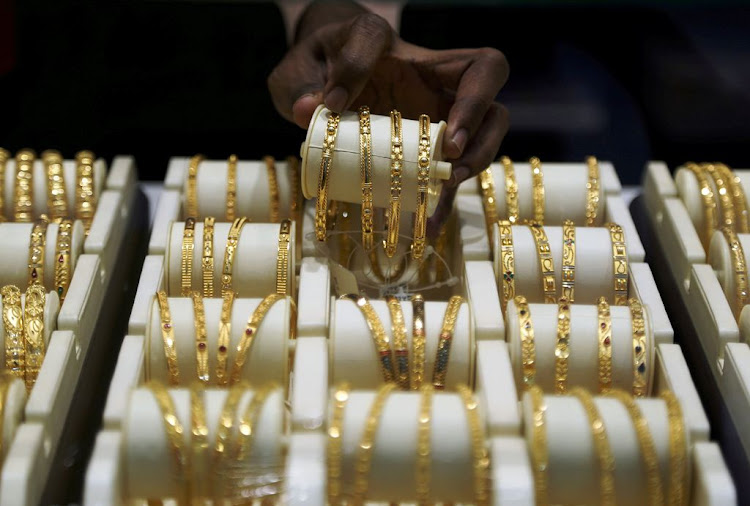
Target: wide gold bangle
[[710, 216], [57, 203], [365, 174], [569, 261], [511, 190], [739, 268], [604, 330], [282, 257], [198, 443], [539, 449], [400, 342], [423, 181], [201, 336], [487, 187], [335, 443], [546, 262], [191, 194], [167, 335], [186, 261], [233, 240], [23, 196], [724, 193], [604, 454], [62, 257], [251, 331], [4, 156], [479, 451], [738, 198], [619, 264], [640, 349], [324, 175], [507, 263], [440, 370], [85, 202], [225, 337], [207, 260], [33, 320], [248, 424], [423, 464], [562, 346], [678, 470], [417, 341], [528, 347], [15, 346], [379, 336], [394, 206], [593, 189], [37, 247], [231, 209], [367, 444], [295, 208], [537, 183], [223, 445], [274, 206]]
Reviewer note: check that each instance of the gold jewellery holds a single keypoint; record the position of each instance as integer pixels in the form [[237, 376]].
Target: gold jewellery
[[295, 207], [379, 336], [604, 329], [365, 170], [562, 346], [640, 350], [511, 190], [479, 452], [191, 195], [273, 190], [198, 441], [33, 321], [528, 347], [248, 424], [223, 441], [677, 450], [186, 265], [738, 197], [23, 196], [167, 335], [231, 209], [569, 261], [539, 450], [592, 191], [201, 337], [36, 251], [537, 181], [417, 341], [423, 180], [394, 208], [225, 335], [326, 160], [4, 156], [619, 264], [487, 187], [233, 240], [710, 218], [282, 257], [726, 203], [85, 202], [15, 351], [739, 269], [207, 261], [423, 465], [334, 447], [400, 342], [445, 341], [507, 262], [57, 204], [546, 262], [251, 330], [62, 257]]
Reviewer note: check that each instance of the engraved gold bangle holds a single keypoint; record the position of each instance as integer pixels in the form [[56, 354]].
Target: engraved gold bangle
[[379, 336], [487, 187], [619, 264], [186, 261], [479, 451], [282, 257], [511, 190], [167, 335], [539, 449], [274, 206], [57, 204], [562, 346], [604, 330], [248, 423], [593, 189], [225, 337], [296, 201], [33, 320], [546, 262], [537, 182], [249, 335], [201, 337], [207, 261], [15, 346], [724, 194], [739, 269], [23, 196], [423, 181], [738, 198], [326, 161], [191, 195], [440, 370], [334, 446], [37, 247], [198, 442], [231, 210], [710, 216], [85, 202], [640, 349], [507, 263], [423, 464], [417, 341], [233, 240], [365, 172], [62, 257], [222, 447], [4, 156], [528, 347], [394, 206], [569, 261], [400, 342], [677, 450]]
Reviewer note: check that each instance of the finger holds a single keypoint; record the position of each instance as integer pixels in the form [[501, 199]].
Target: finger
[[442, 211], [296, 84]]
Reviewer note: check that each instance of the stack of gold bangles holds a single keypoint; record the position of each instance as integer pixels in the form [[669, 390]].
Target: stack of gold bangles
[[24, 331]]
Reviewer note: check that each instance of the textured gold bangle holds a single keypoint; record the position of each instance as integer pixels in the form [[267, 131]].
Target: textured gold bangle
[[85, 202], [739, 269], [546, 262], [710, 216], [282, 257], [367, 444], [365, 172], [440, 370], [62, 257], [33, 320], [335, 443], [604, 330], [201, 336], [233, 240], [489, 204], [4, 156], [324, 175], [562, 346], [23, 196], [198, 443], [167, 335], [191, 195], [677, 450], [651, 470], [15, 346], [724, 194], [207, 261], [231, 210], [274, 206], [57, 204], [296, 201], [507, 263], [417, 341], [640, 349], [528, 347], [394, 206], [379, 336], [738, 198], [539, 449], [400, 342], [569, 261], [479, 451], [593, 190], [423, 181], [619, 264], [222, 447], [604, 454], [511, 190], [225, 338], [251, 331], [186, 262], [248, 423], [424, 464], [537, 182], [37, 247]]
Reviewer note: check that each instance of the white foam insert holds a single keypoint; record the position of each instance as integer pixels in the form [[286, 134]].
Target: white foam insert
[[313, 298], [735, 387], [484, 301], [512, 476], [167, 211], [12, 413], [26, 464], [107, 229], [306, 470], [309, 385], [103, 485], [150, 282], [712, 483], [475, 244], [129, 372], [643, 286], [83, 301], [496, 389], [309, 243], [123, 174]]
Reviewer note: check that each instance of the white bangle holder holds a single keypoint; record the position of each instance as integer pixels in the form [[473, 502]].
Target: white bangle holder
[[12, 414], [314, 298], [475, 241]]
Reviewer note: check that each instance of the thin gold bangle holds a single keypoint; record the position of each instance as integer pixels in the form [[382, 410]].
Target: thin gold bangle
[[4, 156], [250, 334], [23, 196], [225, 337], [365, 173], [604, 330], [222, 447], [231, 210], [710, 216], [511, 190], [324, 174], [186, 265], [400, 342], [379, 336], [546, 262], [424, 463], [33, 318], [478, 449], [528, 347], [201, 336], [619, 264], [57, 204], [394, 206], [539, 449], [85, 194], [489, 204], [739, 270], [167, 335], [62, 257], [640, 349], [273, 190], [248, 423], [562, 346], [440, 370], [724, 194], [417, 341], [335, 443], [423, 181], [593, 189], [282, 257], [198, 441], [738, 198], [537, 182], [296, 201], [37, 247], [569, 261], [191, 197], [233, 240], [15, 346], [677, 450], [507, 263], [604, 454], [207, 261]]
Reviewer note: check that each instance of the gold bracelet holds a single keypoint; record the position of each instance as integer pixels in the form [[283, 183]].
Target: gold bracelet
[[478, 449], [167, 335], [640, 349], [4, 156], [604, 454], [191, 195], [546, 262], [324, 174], [604, 329], [295, 208], [440, 370], [57, 204], [231, 210], [489, 204], [365, 173], [394, 208], [186, 267], [710, 216], [85, 193], [417, 341], [15, 347], [274, 212], [562, 346], [539, 449], [207, 261], [424, 463], [507, 263], [33, 319], [23, 196], [593, 190], [248, 423], [511, 190], [282, 257], [537, 181], [222, 448], [62, 256], [198, 442], [225, 338], [201, 337], [379, 336], [233, 240], [738, 198], [528, 347], [367, 443], [739, 269], [423, 181], [37, 246], [726, 203], [569, 261], [400, 342], [334, 446], [651, 470], [677, 450], [619, 263], [251, 330]]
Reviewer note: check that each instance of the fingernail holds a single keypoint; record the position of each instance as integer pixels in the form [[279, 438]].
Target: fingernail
[[336, 99], [460, 138]]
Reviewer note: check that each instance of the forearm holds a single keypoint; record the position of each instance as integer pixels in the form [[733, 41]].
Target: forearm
[[322, 12]]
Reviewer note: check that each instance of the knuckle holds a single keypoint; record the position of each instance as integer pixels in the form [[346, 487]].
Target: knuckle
[[353, 64], [494, 56], [474, 106], [373, 26]]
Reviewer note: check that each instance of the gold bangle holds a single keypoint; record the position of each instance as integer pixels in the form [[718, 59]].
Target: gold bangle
[[726, 203], [367, 443], [710, 216], [511, 190], [23, 196], [489, 204], [62, 256], [677, 450], [85, 193], [225, 337], [57, 204], [640, 348], [400, 342], [379, 336], [248, 423], [296, 201], [604, 454], [569, 261], [335, 443], [167, 335], [33, 319], [198, 442], [440, 370], [528, 347], [365, 173], [282, 257], [417, 341], [273, 190], [191, 195], [592, 191], [251, 330], [651, 470], [619, 263], [539, 449], [604, 329], [201, 337], [4, 156], [37, 246], [562, 346], [324, 174], [186, 267], [207, 261], [507, 263], [537, 182], [546, 262], [424, 463], [478, 449], [15, 350], [739, 269], [233, 240], [423, 181], [738, 198], [394, 207], [222, 447], [231, 209]]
